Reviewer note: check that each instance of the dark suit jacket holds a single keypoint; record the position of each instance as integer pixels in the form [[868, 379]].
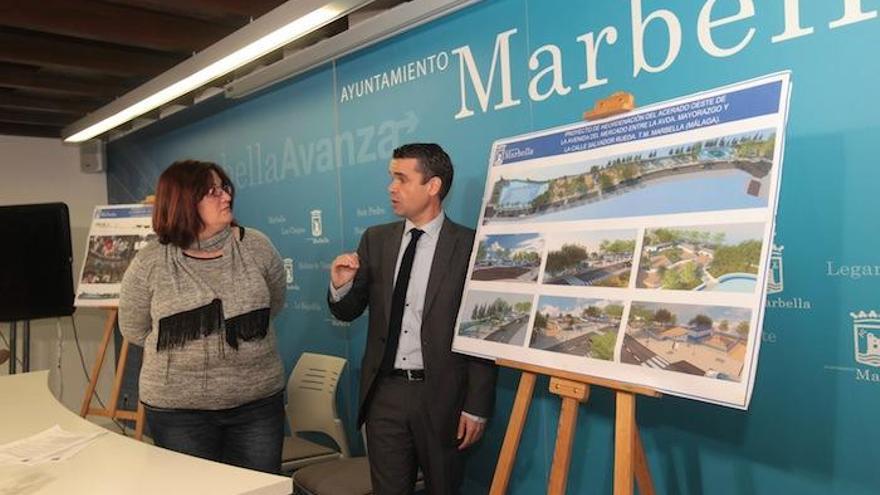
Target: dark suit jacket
[[456, 382]]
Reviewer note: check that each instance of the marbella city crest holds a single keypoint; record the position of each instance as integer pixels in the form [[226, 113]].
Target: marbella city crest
[[498, 158], [866, 335], [775, 282]]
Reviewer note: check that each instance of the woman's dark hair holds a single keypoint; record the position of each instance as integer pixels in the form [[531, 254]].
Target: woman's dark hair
[[181, 186]]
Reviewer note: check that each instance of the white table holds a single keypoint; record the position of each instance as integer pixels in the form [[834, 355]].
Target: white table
[[112, 464]]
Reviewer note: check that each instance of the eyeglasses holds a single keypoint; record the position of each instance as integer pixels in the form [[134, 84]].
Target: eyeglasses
[[217, 191]]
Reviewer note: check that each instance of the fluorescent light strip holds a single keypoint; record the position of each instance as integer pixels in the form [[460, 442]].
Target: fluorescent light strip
[[385, 25], [242, 56]]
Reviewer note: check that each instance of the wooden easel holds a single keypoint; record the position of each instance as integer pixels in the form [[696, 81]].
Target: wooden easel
[[629, 454], [630, 462], [111, 411]]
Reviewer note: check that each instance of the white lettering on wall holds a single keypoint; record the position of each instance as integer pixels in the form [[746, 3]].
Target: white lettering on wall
[[466, 61], [550, 79], [852, 13], [673, 28], [557, 85], [705, 24], [591, 47], [793, 27]]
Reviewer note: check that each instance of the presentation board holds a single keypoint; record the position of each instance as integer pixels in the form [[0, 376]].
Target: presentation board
[[635, 248], [117, 233]]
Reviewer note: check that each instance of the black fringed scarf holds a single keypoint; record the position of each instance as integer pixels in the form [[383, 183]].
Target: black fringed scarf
[[195, 312]]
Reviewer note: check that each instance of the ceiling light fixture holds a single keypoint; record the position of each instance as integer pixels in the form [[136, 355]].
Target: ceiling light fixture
[[279, 27], [399, 19]]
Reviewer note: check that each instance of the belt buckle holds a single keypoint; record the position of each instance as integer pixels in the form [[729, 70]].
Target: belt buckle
[[410, 376]]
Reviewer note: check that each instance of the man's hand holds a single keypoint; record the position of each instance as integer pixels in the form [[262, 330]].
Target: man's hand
[[469, 431], [343, 269]]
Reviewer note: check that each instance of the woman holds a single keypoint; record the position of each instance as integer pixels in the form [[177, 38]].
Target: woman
[[199, 302]]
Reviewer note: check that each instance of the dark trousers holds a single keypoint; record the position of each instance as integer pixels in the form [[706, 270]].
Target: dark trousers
[[248, 436], [400, 440]]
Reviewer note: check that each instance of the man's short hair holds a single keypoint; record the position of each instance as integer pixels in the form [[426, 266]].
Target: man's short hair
[[433, 162]]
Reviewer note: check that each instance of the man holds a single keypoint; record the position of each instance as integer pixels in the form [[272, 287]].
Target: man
[[422, 403]]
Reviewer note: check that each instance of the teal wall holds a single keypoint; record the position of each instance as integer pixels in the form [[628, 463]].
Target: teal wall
[[307, 145]]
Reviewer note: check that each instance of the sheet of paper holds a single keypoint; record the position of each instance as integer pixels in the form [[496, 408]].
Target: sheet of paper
[[51, 445]]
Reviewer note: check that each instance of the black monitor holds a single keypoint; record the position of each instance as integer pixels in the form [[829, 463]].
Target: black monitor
[[36, 262]]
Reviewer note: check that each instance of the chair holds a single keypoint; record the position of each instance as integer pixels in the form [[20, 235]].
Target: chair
[[349, 476], [311, 407], [344, 476]]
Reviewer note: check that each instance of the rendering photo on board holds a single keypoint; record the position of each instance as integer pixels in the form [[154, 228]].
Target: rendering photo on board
[[109, 256], [723, 258], [596, 258], [508, 258], [708, 341], [724, 173], [495, 317], [581, 327]]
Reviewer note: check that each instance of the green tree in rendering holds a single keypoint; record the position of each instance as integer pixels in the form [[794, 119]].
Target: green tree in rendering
[[481, 251], [605, 181], [641, 313], [499, 309], [540, 320], [629, 171], [664, 317], [592, 312], [702, 322], [566, 257], [614, 311], [522, 307], [530, 258], [685, 277], [742, 258], [617, 246], [602, 346]]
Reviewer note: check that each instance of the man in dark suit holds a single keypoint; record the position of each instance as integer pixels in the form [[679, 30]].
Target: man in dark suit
[[422, 403]]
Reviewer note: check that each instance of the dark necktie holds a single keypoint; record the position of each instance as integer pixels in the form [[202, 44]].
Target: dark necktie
[[398, 300]]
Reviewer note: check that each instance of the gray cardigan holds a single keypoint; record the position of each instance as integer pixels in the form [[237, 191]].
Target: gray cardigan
[[206, 372]]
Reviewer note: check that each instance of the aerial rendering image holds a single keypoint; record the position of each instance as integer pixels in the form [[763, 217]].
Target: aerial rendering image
[[508, 258], [722, 258], [592, 258], [495, 317], [708, 341], [577, 326], [729, 172]]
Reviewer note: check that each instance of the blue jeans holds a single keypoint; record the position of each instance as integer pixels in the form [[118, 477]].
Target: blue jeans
[[248, 436]]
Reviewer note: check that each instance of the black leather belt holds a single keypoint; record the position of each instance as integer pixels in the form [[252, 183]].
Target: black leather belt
[[410, 375]]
